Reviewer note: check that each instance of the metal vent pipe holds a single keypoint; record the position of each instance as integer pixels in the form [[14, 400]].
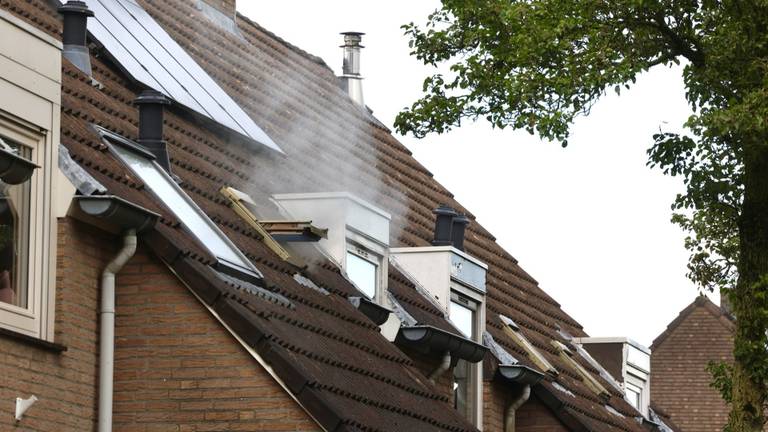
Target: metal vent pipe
[[460, 223], [443, 225], [75, 29], [351, 80], [151, 105]]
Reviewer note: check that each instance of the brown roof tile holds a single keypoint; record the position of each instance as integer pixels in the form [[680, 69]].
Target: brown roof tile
[[333, 359]]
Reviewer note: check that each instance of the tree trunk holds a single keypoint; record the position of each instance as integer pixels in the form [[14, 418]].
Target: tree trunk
[[750, 298]]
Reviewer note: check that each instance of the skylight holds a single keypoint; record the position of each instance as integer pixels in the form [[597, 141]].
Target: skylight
[[513, 331], [149, 55], [176, 200]]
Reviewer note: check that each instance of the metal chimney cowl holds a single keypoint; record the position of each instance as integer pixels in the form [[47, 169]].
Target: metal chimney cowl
[[151, 105], [75, 29], [443, 225], [460, 223], [351, 80]]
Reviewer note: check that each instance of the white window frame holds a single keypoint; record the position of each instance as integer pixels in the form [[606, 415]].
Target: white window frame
[[459, 289], [37, 318], [362, 246], [367, 256]]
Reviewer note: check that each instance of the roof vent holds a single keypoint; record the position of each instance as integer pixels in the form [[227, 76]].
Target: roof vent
[[443, 225], [151, 106], [459, 226], [351, 80], [76, 15]]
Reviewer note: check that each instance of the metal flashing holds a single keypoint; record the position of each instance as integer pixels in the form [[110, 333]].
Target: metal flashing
[[255, 290], [79, 177]]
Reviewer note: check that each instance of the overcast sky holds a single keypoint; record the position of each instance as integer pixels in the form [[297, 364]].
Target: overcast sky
[[590, 222]]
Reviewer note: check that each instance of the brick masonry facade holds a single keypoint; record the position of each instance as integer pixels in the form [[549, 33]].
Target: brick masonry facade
[[66, 382], [177, 368], [680, 382], [533, 416]]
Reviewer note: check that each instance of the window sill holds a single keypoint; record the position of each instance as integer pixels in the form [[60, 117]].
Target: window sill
[[32, 341]]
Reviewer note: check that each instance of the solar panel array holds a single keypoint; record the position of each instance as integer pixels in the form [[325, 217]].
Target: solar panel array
[[147, 53]]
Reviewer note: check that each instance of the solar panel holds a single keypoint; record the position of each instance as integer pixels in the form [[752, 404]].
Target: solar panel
[[149, 55]]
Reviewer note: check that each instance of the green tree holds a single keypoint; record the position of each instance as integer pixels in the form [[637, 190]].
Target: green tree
[[537, 64]]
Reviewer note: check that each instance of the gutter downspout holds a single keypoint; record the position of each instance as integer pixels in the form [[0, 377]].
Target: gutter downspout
[[107, 331], [509, 413], [445, 364]]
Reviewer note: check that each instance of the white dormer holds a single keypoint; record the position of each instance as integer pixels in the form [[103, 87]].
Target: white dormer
[[628, 362], [358, 235], [455, 281], [441, 269]]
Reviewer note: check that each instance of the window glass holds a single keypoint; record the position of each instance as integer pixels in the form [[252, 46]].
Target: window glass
[[463, 318], [14, 237], [363, 273], [176, 200], [633, 395], [463, 400]]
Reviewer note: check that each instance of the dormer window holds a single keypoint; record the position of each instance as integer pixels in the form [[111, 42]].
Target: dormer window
[[363, 269], [628, 362], [456, 281], [358, 236], [464, 314]]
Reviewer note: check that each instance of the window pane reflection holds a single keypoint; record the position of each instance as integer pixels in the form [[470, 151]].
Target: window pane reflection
[[363, 273], [462, 388], [14, 237], [463, 318]]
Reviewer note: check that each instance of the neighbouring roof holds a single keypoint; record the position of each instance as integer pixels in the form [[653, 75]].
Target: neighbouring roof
[[331, 357], [702, 301]]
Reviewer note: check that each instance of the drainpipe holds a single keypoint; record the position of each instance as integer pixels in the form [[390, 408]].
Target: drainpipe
[[509, 413], [445, 364], [107, 333]]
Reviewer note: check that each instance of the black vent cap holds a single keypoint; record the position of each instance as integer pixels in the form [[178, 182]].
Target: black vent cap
[[460, 223], [75, 14], [443, 225]]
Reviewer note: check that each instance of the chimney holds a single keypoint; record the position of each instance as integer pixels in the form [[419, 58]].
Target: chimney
[[76, 15], [443, 225], [151, 105], [460, 223], [351, 80]]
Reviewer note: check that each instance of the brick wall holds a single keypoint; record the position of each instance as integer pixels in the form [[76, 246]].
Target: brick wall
[[680, 383], [178, 369], [533, 416], [495, 399], [65, 383]]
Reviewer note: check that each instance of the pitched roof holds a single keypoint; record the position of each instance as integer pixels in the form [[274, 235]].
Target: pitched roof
[[329, 355], [702, 301]]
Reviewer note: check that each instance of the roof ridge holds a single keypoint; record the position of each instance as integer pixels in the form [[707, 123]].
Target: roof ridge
[[700, 301]]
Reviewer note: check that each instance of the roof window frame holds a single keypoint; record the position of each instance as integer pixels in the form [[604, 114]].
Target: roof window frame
[[119, 145], [512, 330]]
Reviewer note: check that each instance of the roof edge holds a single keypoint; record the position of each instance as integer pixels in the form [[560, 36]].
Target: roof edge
[[701, 301]]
